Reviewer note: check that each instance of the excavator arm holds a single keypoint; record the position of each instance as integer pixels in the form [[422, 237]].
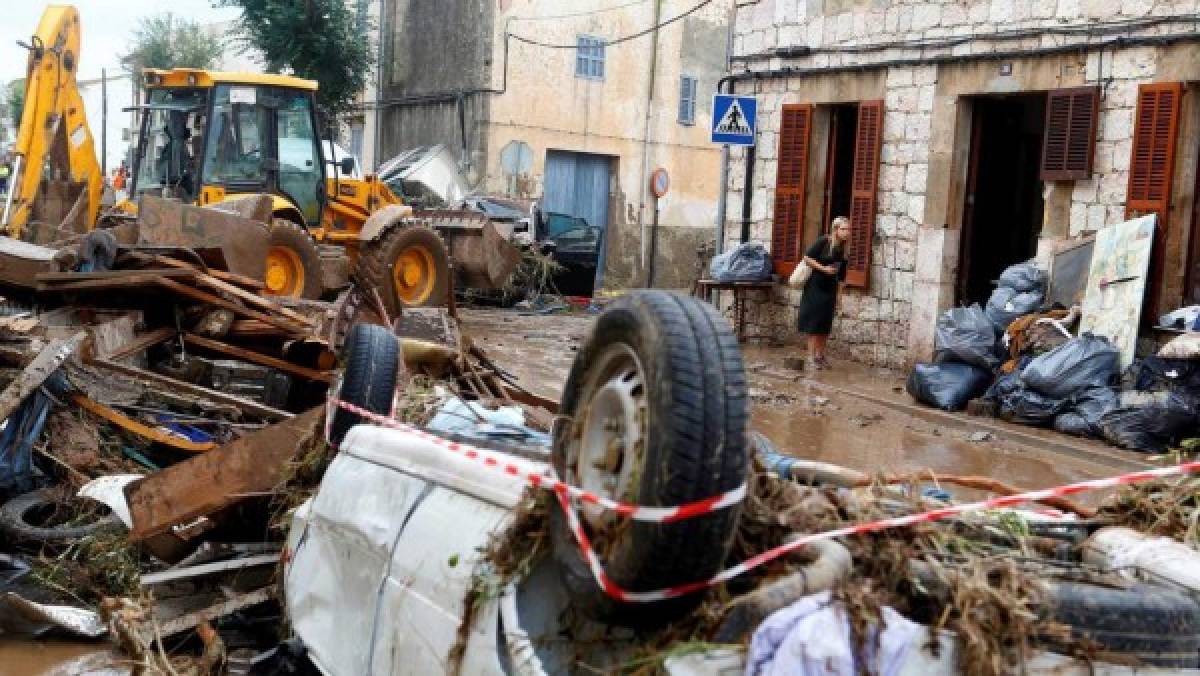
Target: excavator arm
[[53, 140]]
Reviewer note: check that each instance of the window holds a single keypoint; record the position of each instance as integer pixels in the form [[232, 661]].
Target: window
[[687, 100], [589, 58]]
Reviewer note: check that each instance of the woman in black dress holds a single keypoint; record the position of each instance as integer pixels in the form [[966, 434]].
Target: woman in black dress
[[827, 258]]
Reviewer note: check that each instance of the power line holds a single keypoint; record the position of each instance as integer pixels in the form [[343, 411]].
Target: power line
[[615, 41], [578, 14]]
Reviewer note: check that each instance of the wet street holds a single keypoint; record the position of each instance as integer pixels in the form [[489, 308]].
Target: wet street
[[815, 416]]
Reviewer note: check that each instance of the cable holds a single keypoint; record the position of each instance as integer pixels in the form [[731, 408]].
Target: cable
[[616, 41], [578, 14]]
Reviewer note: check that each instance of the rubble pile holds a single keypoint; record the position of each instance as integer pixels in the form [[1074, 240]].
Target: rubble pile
[[164, 417]]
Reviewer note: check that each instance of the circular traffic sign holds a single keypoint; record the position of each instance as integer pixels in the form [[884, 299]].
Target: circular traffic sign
[[660, 182]]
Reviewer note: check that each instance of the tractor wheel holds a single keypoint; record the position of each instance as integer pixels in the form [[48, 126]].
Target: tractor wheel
[[293, 262], [409, 265]]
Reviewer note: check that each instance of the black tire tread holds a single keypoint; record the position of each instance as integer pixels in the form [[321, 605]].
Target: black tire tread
[[372, 366], [12, 520]]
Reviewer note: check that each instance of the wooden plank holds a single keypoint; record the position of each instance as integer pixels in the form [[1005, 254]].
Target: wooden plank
[[244, 405], [200, 570], [59, 277], [183, 623], [142, 342], [139, 279], [204, 484], [257, 358], [233, 278], [252, 299], [205, 297], [42, 367]]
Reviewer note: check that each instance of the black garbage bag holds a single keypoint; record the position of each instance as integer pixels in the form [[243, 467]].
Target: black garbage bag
[[947, 385], [1154, 428], [1160, 373], [1023, 277], [965, 334], [747, 262], [1073, 424], [1005, 385], [1028, 407], [1085, 361], [1006, 305]]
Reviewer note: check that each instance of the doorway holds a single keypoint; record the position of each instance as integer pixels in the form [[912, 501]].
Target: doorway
[[575, 204], [839, 167], [1002, 216]]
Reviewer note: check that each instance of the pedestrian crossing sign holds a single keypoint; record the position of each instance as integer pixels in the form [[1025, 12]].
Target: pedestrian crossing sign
[[734, 119]]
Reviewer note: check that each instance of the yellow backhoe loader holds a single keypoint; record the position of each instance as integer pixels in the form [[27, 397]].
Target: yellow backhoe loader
[[206, 137]]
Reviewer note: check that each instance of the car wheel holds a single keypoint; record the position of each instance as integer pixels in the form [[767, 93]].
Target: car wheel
[[655, 410]]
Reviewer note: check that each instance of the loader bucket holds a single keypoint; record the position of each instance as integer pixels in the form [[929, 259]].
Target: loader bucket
[[484, 258]]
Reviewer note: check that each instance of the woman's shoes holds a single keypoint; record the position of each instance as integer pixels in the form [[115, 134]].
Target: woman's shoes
[[821, 363]]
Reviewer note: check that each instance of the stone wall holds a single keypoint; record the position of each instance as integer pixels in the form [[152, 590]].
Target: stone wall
[[927, 127]]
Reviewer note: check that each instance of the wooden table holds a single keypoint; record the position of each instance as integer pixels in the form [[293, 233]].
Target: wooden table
[[704, 288]]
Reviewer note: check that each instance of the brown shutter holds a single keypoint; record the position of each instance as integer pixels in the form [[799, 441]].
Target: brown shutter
[[1152, 169], [1070, 138], [791, 177], [867, 139]]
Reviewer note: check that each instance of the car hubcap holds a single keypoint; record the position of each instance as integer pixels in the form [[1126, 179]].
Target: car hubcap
[[612, 435]]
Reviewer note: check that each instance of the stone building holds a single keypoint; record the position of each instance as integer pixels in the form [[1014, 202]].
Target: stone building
[[570, 102], [962, 136]]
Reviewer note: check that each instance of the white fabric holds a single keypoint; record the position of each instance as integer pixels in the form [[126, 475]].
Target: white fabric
[[811, 637]]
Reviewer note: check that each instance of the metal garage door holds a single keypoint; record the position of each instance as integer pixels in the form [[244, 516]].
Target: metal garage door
[[576, 184]]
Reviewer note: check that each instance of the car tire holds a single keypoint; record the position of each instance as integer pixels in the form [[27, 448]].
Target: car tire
[[293, 266], [1153, 625], [18, 519], [663, 372], [372, 364], [406, 246]]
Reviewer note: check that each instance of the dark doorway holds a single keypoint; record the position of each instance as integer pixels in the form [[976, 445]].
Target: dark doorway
[[1002, 216], [839, 169]]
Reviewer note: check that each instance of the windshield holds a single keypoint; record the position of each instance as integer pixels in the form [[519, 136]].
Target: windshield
[[236, 141], [169, 154]]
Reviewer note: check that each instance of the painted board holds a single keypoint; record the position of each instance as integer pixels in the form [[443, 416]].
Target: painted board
[[1116, 287]]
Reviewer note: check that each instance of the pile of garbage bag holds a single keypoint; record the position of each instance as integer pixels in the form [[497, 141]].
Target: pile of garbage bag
[[1054, 379], [747, 262]]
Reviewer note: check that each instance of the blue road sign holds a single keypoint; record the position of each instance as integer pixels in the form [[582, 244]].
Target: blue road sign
[[734, 119]]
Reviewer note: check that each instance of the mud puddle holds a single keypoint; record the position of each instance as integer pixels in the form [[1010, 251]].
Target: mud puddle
[[24, 657]]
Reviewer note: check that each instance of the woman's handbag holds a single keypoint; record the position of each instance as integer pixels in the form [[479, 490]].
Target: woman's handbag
[[800, 275]]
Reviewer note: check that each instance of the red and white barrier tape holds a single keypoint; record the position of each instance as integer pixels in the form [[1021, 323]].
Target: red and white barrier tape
[[500, 462], [565, 492]]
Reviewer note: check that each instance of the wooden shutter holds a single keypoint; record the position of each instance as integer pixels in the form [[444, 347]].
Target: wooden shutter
[[867, 141], [791, 177], [1069, 142], [1152, 169]]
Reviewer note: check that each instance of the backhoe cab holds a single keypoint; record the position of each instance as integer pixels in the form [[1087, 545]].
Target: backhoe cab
[[208, 136]]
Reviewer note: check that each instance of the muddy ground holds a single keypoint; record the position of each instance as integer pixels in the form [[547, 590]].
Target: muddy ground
[[807, 414]]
